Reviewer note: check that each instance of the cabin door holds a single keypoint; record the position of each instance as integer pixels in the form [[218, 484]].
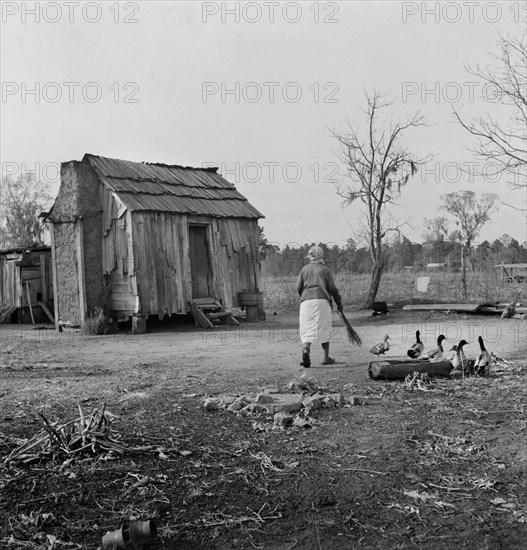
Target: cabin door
[[200, 268]]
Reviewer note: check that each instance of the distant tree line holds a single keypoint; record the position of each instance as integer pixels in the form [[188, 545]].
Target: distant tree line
[[400, 254]]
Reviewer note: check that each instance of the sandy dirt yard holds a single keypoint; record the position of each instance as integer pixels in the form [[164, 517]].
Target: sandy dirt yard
[[441, 465]]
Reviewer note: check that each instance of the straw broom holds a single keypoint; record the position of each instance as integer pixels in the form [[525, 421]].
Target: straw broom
[[353, 337]]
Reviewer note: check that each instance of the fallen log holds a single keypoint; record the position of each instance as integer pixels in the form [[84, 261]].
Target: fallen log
[[398, 369]]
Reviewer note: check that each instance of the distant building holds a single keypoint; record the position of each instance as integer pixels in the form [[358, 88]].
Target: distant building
[[436, 267]]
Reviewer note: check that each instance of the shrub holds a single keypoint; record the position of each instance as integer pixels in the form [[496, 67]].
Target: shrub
[[97, 324]]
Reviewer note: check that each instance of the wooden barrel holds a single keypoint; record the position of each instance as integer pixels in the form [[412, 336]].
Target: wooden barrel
[[250, 298]]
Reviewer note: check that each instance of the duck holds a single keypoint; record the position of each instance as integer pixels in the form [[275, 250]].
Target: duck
[[459, 360], [449, 356], [417, 349], [382, 347], [484, 359], [436, 353]]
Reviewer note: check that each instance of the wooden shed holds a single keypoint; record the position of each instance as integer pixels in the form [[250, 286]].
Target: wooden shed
[[26, 290], [142, 239]]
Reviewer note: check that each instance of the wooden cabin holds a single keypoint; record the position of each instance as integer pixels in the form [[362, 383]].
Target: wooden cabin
[[26, 288], [142, 239]]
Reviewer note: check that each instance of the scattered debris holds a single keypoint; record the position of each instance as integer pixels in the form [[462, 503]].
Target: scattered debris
[[90, 435], [418, 381], [304, 395], [428, 498], [131, 535], [304, 383], [357, 401], [283, 419]]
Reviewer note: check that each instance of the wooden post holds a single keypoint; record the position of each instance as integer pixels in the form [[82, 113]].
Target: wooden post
[[138, 324], [44, 277], [54, 276], [29, 302], [79, 236]]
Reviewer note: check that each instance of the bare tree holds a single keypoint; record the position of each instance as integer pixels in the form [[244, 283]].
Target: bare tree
[[470, 215], [377, 166], [503, 145], [21, 202]]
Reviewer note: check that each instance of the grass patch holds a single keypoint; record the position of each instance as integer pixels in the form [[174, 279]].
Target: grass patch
[[280, 292]]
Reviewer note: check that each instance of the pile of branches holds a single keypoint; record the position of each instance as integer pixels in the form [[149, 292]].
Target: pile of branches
[[90, 436]]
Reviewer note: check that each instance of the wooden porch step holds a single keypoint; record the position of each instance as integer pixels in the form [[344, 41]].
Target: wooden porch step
[[6, 311], [207, 310], [219, 314]]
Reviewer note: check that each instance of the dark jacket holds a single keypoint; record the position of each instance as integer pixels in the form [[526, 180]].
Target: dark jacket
[[315, 281]]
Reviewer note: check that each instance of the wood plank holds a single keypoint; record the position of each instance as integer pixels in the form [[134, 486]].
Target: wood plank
[[200, 318], [54, 275], [159, 254], [182, 261], [44, 277], [46, 311], [495, 310], [151, 303], [140, 259], [6, 311], [218, 314], [467, 308], [29, 302], [206, 300], [122, 305]]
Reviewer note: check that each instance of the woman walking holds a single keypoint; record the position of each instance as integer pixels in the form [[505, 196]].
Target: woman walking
[[317, 289]]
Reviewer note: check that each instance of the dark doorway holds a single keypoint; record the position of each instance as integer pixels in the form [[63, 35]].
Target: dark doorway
[[199, 261]]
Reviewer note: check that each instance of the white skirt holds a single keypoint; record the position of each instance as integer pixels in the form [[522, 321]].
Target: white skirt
[[315, 321]]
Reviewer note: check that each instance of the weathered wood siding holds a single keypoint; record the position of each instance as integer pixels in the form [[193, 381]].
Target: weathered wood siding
[[236, 258], [10, 287], [118, 257], [162, 263], [163, 267]]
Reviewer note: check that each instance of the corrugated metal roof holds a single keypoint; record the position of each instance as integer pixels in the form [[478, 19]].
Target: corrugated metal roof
[[178, 189]]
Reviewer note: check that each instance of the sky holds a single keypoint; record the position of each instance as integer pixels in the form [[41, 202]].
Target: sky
[[258, 89]]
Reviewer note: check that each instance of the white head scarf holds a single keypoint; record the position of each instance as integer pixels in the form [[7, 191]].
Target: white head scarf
[[316, 255]]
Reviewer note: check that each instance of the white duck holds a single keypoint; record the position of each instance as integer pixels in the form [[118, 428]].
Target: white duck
[[382, 347], [417, 349], [484, 359]]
